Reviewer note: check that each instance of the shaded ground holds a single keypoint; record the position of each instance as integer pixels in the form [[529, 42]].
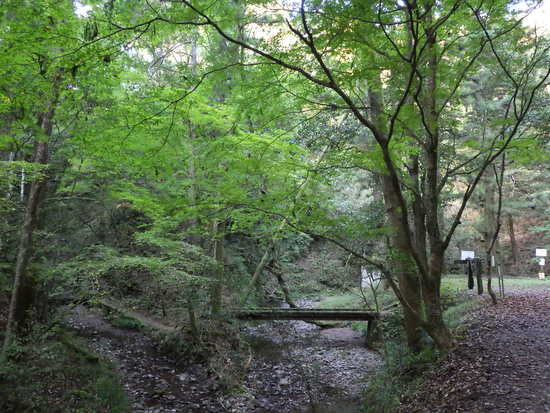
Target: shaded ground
[[502, 363], [317, 371], [296, 367]]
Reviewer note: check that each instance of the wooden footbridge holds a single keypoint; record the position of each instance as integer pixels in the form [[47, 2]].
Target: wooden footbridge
[[311, 314], [304, 314]]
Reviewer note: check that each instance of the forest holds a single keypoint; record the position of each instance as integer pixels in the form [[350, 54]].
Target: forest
[[291, 206]]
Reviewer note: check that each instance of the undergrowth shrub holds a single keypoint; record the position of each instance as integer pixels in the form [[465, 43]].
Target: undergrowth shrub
[[183, 348], [322, 269], [126, 323], [54, 372], [219, 346], [403, 371], [160, 284], [399, 375]]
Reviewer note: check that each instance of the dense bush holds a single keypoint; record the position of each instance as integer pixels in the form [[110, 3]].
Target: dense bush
[[54, 372]]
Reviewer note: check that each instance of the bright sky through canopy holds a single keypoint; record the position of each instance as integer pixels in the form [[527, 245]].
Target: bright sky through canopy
[[540, 17]]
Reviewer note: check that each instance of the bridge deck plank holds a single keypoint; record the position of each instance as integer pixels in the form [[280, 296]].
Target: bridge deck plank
[[305, 314]]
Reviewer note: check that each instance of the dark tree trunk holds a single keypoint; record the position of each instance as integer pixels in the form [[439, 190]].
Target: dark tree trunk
[[405, 269], [403, 264], [216, 291], [256, 280], [433, 268], [491, 231], [23, 286], [275, 270], [193, 324], [431, 293], [513, 242]]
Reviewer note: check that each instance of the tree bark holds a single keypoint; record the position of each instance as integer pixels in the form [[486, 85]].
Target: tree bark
[[193, 223], [490, 230], [193, 324], [255, 281], [284, 288], [23, 291], [419, 212], [402, 264], [216, 291], [431, 294], [433, 269], [513, 241], [404, 267]]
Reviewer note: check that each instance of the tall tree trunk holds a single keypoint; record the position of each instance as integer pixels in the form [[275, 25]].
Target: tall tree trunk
[[284, 288], [513, 241], [216, 292], [255, 281], [23, 291], [193, 223], [431, 294], [11, 158], [433, 271], [22, 185], [403, 264], [405, 269], [193, 324], [490, 229], [419, 212]]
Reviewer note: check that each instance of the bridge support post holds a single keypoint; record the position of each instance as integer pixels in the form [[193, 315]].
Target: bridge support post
[[372, 332]]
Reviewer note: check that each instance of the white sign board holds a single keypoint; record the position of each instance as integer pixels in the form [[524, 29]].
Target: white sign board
[[464, 255], [541, 252], [369, 278], [493, 261], [542, 261]]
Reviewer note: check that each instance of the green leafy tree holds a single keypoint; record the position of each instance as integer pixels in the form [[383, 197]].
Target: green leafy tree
[[39, 80], [397, 68]]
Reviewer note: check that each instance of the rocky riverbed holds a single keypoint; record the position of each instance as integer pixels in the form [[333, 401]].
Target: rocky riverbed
[[315, 370], [294, 367]]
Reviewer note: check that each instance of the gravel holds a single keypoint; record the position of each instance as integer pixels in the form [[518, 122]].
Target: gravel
[[295, 368]]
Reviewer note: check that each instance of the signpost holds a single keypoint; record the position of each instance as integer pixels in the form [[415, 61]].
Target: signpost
[[473, 268], [500, 277], [541, 253], [465, 255], [370, 278]]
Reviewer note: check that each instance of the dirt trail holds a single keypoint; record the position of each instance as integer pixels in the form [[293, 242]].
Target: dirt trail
[[147, 321], [502, 364], [294, 369]]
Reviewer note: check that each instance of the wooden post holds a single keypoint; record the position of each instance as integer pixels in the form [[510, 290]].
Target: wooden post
[[500, 281], [479, 270]]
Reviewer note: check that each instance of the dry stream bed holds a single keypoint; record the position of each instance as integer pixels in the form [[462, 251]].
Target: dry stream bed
[[295, 367]]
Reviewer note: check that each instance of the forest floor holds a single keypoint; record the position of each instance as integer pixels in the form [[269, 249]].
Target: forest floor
[[501, 362], [295, 367]]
